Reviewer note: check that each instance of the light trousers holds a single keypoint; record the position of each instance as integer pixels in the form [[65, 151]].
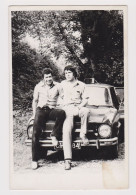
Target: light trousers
[[68, 124]]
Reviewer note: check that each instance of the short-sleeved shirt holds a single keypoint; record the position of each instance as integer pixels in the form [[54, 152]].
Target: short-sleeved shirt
[[73, 93], [46, 95]]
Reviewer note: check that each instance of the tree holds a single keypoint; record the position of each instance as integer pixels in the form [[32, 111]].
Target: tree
[[92, 40], [102, 37]]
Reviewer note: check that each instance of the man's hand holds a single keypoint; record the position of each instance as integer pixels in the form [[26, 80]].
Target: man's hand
[[84, 102]]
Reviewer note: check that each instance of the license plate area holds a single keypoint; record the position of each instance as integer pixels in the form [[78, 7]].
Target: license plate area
[[59, 146], [75, 145]]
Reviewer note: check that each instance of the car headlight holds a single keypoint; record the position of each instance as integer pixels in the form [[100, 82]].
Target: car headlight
[[30, 131], [104, 131]]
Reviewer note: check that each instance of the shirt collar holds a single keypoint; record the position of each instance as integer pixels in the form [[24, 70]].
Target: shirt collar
[[74, 84], [44, 84]]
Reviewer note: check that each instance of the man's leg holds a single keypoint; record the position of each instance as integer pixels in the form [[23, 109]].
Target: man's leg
[[71, 111], [59, 116], [83, 113], [67, 133], [40, 118]]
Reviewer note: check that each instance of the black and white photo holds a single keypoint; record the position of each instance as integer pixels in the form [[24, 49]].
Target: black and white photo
[[68, 83]]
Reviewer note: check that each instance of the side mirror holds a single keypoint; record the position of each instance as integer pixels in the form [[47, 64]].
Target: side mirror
[[121, 104]]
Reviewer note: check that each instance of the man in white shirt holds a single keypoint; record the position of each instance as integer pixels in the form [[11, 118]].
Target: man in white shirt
[[45, 98], [74, 101]]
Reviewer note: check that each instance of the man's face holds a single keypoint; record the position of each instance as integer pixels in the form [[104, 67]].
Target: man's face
[[48, 79], [69, 75]]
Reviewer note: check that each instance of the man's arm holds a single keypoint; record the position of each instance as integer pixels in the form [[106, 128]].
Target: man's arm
[[61, 94], [84, 98], [35, 101], [60, 90], [34, 106]]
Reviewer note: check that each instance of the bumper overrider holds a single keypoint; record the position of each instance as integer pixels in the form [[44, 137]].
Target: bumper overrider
[[77, 144]]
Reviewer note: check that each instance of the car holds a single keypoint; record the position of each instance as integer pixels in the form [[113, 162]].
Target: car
[[120, 96], [103, 122]]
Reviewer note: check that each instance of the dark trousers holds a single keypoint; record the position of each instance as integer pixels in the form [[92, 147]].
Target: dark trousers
[[41, 117]]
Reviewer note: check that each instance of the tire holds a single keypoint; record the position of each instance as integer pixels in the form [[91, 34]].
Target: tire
[[113, 152], [121, 132], [110, 152]]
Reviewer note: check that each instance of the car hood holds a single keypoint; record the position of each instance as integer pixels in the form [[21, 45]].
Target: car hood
[[103, 114]]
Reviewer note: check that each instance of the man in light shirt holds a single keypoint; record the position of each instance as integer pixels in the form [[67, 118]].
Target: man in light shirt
[[74, 101], [45, 98]]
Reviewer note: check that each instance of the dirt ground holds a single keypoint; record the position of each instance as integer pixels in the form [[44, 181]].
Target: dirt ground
[[91, 169]]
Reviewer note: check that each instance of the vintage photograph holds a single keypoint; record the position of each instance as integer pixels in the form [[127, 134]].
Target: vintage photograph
[[68, 83]]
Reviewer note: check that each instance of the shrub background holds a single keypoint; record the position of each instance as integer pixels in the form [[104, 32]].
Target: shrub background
[[90, 40]]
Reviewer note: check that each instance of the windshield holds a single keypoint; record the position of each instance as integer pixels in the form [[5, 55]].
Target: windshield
[[98, 96]]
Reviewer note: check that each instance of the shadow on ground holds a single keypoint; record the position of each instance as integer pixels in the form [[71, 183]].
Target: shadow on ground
[[86, 154]]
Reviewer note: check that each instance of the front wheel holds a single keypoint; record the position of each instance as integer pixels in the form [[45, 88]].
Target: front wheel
[[113, 151], [110, 152]]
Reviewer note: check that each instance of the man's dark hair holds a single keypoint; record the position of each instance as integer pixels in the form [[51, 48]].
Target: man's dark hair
[[46, 71], [72, 69]]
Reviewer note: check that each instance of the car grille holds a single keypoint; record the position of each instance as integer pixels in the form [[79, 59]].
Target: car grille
[[91, 133]]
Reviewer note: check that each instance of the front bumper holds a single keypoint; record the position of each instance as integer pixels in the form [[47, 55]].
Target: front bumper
[[77, 144]]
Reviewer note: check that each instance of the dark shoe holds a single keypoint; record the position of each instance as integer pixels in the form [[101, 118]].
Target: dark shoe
[[85, 140], [67, 164], [34, 165], [55, 142]]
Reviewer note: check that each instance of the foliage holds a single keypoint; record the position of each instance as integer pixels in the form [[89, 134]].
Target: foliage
[[90, 40]]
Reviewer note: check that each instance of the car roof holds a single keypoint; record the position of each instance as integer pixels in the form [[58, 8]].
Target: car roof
[[99, 85]]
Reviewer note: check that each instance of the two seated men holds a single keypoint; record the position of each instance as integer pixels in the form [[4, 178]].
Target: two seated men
[[74, 96]]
